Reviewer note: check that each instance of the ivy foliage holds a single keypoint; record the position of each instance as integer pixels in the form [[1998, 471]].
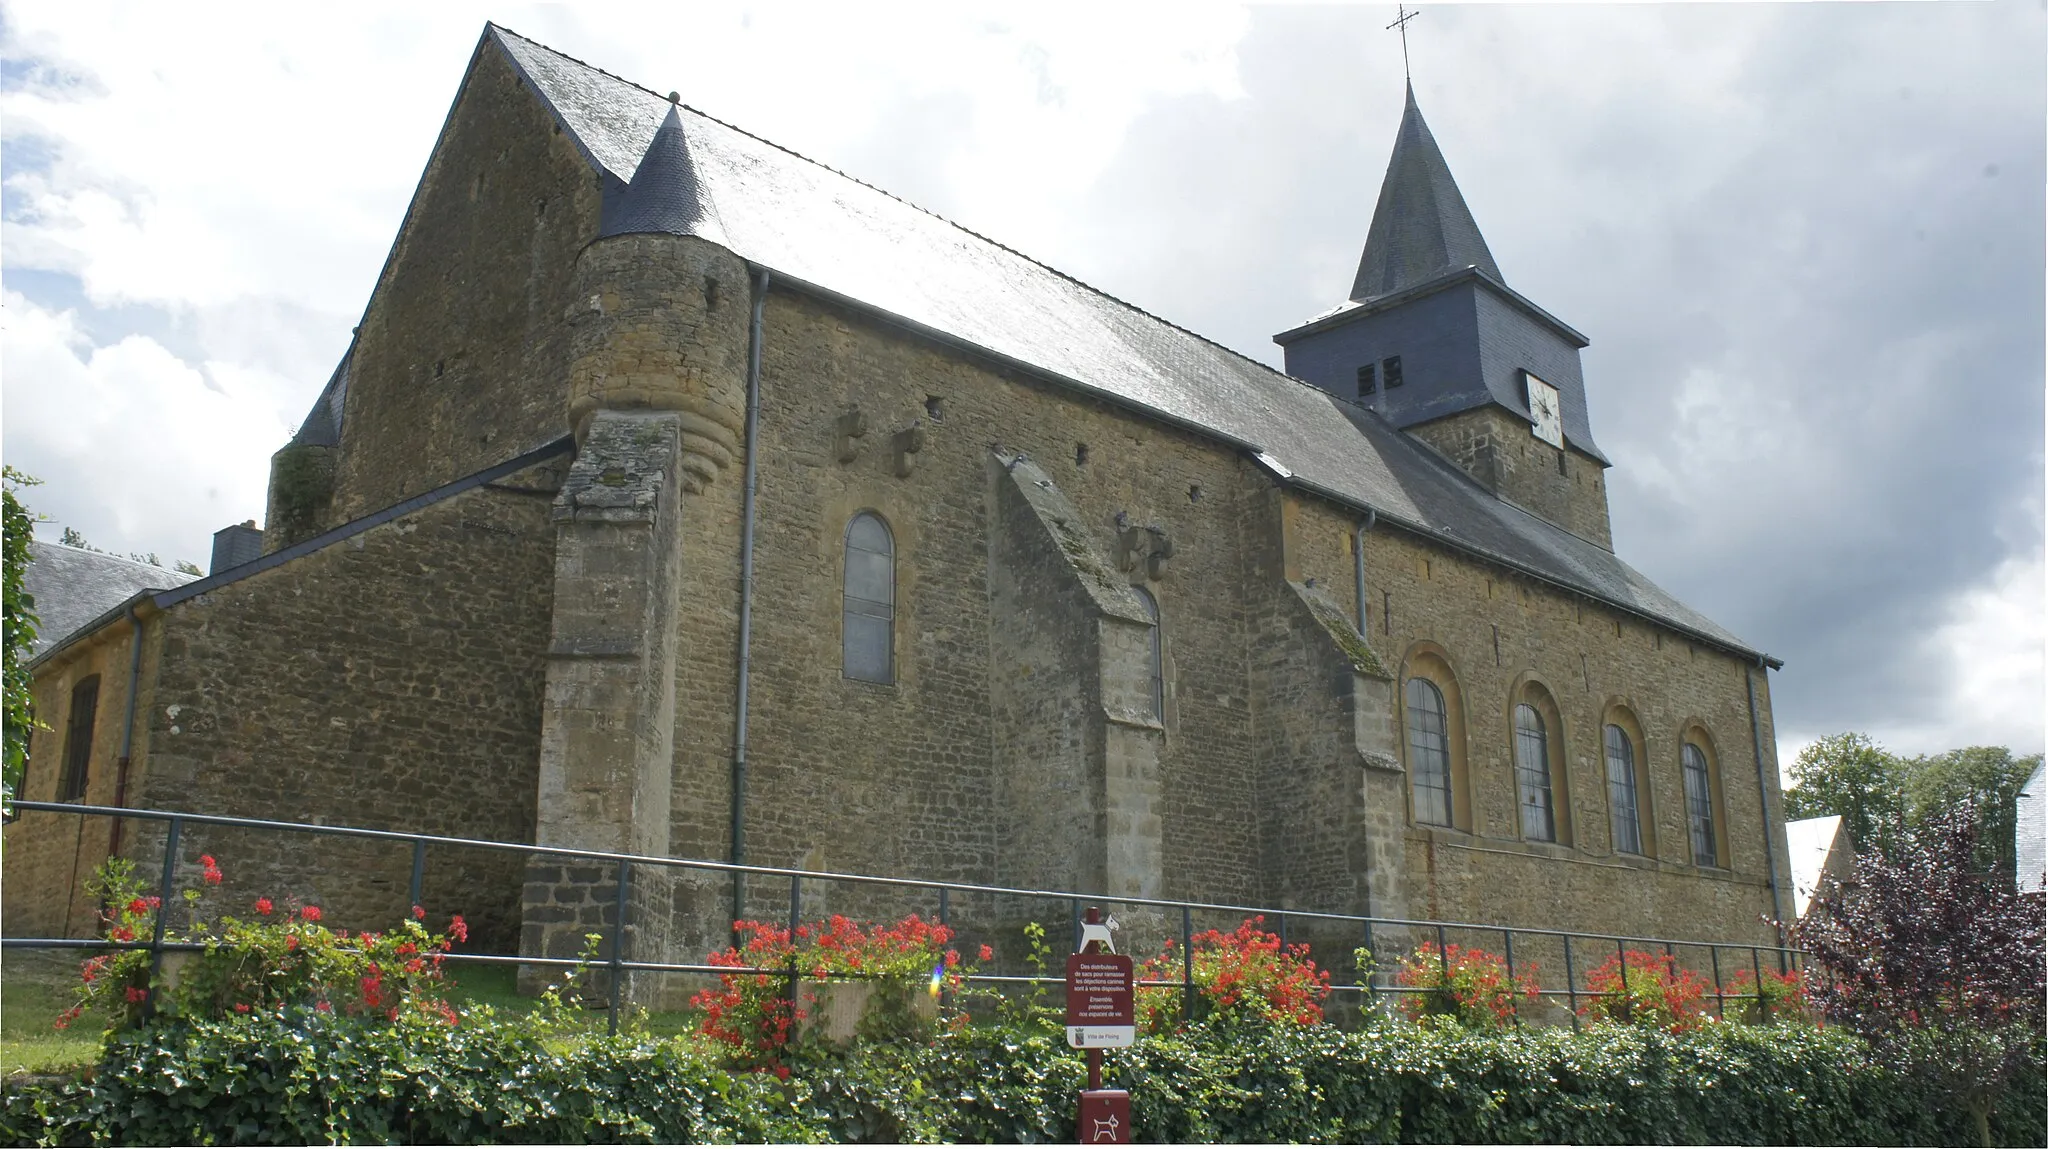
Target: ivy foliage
[[296, 1076], [18, 624]]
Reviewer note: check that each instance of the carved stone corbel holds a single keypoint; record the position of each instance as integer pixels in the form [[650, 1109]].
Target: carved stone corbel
[[1152, 545], [847, 432], [907, 442]]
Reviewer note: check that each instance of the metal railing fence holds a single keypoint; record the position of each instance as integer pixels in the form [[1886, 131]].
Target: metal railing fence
[[1378, 979]]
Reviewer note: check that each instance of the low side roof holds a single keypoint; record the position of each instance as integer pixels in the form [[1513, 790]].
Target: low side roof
[[72, 587], [823, 229]]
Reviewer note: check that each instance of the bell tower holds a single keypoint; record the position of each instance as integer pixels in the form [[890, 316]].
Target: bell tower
[[1434, 340]]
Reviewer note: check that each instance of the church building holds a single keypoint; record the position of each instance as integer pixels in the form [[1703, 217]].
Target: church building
[[682, 496]]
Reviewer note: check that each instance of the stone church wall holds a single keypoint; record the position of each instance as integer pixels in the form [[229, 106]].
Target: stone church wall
[[462, 356], [392, 680], [47, 854], [1501, 631]]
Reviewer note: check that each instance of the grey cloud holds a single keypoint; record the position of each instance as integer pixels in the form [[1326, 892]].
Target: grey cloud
[[1831, 250]]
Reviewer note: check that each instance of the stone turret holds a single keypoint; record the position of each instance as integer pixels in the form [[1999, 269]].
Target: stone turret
[[660, 314]]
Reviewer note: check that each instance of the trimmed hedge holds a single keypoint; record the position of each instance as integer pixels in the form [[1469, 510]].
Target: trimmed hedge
[[309, 1077]]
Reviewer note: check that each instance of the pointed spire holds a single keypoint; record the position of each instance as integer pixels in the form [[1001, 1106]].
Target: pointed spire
[[1421, 228], [664, 195]]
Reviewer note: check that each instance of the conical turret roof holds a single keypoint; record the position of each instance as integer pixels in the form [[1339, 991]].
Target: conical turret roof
[[1421, 228], [664, 195]]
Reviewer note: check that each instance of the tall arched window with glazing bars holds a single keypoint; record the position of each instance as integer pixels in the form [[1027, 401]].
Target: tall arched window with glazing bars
[[1532, 775], [1699, 806], [868, 650], [1429, 752], [1622, 804]]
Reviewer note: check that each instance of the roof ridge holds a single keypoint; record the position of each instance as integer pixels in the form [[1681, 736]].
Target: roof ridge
[[991, 241], [88, 550]]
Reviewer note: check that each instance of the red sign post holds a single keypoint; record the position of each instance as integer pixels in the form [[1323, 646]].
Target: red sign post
[[1101, 1014]]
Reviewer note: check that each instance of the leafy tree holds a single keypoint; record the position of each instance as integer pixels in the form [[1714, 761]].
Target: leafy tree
[[1881, 795], [72, 537], [1987, 779], [18, 624], [187, 566], [1939, 967], [1850, 775]]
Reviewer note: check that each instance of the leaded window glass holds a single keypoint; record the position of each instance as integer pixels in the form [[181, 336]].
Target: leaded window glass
[[869, 650], [1532, 775], [1157, 664], [1429, 753], [1699, 806], [1621, 792]]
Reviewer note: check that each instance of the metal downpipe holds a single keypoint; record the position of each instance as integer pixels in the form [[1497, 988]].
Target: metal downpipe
[[1358, 571], [1763, 794], [739, 736], [127, 728]]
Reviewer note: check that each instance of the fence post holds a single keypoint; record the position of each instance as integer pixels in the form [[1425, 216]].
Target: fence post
[[1756, 970], [1507, 941], [1187, 964], [796, 913], [1443, 954], [1628, 1010], [419, 871], [1074, 905], [1282, 918], [618, 948], [163, 907], [1571, 983], [943, 892], [1720, 995]]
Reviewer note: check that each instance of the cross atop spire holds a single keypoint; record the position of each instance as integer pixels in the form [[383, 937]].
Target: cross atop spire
[[1401, 22], [1421, 228]]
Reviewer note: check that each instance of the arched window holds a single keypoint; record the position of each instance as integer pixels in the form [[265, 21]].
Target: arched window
[[1429, 753], [85, 702], [1623, 808], [1532, 775], [869, 640], [1156, 667], [1699, 805]]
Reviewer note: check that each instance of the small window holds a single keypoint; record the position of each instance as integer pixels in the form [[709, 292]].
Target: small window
[[1368, 380], [1390, 371], [1532, 775], [1157, 665], [85, 701], [869, 641], [1429, 752], [1621, 792], [1699, 806]]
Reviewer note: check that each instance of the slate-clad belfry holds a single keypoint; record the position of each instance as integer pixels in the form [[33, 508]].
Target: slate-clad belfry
[[682, 497]]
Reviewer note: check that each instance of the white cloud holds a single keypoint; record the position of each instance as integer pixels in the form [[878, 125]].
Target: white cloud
[[137, 449]]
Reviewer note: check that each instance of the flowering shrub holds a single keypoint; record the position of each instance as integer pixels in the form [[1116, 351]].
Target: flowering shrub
[[1778, 997], [1246, 973], [278, 958], [754, 1017], [1656, 991], [1461, 986]]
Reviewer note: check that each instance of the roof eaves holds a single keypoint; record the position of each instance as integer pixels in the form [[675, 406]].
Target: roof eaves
[[1359, 310], [111, 615]]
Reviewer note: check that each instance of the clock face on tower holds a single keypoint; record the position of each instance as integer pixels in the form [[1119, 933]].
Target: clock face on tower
[[1547, 417]]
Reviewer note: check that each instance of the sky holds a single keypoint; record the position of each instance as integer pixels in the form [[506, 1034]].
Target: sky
[[1806, 241]]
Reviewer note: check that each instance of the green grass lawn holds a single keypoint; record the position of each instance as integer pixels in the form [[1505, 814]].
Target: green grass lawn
[[28, 1043]]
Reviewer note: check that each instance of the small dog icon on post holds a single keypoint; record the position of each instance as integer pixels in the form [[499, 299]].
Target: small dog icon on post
[[1105, 1117]]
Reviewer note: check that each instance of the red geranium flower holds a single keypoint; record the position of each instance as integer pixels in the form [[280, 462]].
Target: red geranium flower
[[264, 906], [310, 913], [419, 913], [988, 953], [137, 994], [138, 906]]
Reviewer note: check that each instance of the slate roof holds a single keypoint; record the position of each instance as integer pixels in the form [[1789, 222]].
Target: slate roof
[[663, 196], [820, 230], [322, 425], [74, 587], [1421, 229]]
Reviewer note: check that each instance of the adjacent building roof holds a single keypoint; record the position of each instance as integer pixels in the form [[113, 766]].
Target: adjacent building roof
[[1809, 842], [73, 587], [1421, 228], [817, 229]]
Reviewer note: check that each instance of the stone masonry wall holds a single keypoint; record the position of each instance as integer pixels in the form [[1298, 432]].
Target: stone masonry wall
[[462, 356], [48, 854], [903, 778], [1501, 630], [1495, 447], [391, 680]]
